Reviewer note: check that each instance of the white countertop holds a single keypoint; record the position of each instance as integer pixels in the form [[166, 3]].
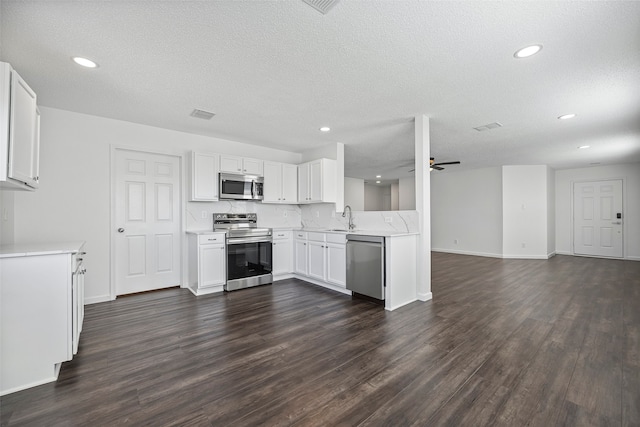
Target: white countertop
[[33, 249], [383, 233], [204, 232]]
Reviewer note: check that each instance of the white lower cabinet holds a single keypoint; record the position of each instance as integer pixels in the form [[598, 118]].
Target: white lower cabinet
[[41, 315], [323, 256], [282, 253], [337, 264], [300, 253], [207, 263]]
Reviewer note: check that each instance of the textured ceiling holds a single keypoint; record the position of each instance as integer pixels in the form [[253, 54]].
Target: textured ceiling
[[276, 71]]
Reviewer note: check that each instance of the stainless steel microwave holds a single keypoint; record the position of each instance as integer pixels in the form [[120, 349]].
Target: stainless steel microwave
[[241, 187]]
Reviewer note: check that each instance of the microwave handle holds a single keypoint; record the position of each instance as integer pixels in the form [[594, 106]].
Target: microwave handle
[[253, 189]]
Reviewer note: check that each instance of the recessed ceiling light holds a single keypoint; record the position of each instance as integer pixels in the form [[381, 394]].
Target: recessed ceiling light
[[84, 62], [525, 52], [378, 176], [325, 129], [377, 182], [566, 116], [582, 147]]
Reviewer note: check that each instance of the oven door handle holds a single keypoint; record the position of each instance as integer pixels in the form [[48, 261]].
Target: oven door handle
[[261, 239]]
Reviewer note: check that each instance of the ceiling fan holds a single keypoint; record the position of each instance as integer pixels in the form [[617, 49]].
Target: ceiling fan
[[437, 166]]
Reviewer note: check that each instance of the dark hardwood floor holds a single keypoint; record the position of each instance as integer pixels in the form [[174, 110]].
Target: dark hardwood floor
[[503, 343]]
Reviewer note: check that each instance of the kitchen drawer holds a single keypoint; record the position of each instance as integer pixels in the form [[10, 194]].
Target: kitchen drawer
[[281, 235], [340, 238], [315, 237], [301, 235], [204, 239]]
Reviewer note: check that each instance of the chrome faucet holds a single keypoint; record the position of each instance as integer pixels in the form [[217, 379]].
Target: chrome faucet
[[344, 213]]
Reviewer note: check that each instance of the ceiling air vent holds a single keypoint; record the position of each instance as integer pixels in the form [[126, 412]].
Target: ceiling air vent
[[201, 114], [488, 127], [321, 6]]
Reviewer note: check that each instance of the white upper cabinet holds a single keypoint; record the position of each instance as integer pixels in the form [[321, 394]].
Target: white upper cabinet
[[19, 131], [204, 177], [317, 181], [280, 183], [244, 165]]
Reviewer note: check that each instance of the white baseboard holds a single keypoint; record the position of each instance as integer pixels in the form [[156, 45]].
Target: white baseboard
[[492, 255], [563, 253], [633, 258], [425, 297], [525, 256], [96, 300], [459, 252]]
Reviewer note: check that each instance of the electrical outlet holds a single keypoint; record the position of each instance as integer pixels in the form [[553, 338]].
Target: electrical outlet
[[524, 245], [203, 214], [388, 219], [317, 214], [284, 214], [455, 241]]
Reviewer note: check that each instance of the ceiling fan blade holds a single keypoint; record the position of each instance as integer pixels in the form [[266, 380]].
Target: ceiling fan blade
[[438, 168], [447, 163]]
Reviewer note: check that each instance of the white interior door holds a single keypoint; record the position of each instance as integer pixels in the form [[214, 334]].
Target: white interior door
[[147, 221], [597, 218]]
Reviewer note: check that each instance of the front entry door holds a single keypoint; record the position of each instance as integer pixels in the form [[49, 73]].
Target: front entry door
[[147, 221], [597, 218]]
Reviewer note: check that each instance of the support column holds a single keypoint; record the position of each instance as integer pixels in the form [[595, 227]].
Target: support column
[[423, 206]]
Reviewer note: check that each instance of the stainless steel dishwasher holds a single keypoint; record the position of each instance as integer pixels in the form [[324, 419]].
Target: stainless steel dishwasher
[[365, 265]]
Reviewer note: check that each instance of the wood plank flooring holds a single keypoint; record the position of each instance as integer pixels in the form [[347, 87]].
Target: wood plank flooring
[[503, 343]]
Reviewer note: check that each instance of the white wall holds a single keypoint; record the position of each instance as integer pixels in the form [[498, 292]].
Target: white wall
[[395, 188], [407, 194], [629, 173], [354, 193], [467, 206], [551, 211], [7, 216], [73, 201], [524, 212], [374, 198]]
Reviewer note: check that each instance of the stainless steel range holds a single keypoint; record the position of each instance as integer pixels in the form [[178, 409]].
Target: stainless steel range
[[249, 256]]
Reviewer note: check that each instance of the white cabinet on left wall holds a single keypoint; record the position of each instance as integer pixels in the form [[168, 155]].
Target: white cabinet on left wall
[[207, 262], [19, 132], [204, 177]]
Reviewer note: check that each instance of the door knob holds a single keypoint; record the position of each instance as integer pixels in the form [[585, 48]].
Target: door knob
[[120, 230]]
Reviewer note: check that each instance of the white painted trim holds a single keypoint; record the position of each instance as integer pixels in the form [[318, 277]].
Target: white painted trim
[[563, 253], [525, 257], [402, 304], [459, 252], [99, 299], [284, 277], [425, 297], [323, 284], [113, 148], [491, 255], [633, 258]]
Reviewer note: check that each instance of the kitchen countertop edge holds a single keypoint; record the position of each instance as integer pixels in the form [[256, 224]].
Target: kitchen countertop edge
[[35, 249]]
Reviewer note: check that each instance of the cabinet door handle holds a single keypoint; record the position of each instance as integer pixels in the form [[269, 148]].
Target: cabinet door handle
[[120, 230]]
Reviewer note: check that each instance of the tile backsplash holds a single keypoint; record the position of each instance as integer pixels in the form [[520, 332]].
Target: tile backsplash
[[322, 215], [269, 215]]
